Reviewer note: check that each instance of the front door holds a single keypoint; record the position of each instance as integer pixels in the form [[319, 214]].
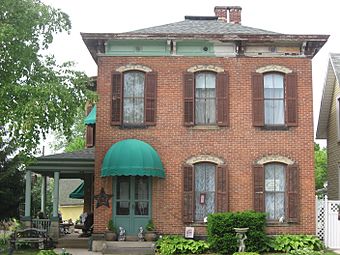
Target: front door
[[131, 202]]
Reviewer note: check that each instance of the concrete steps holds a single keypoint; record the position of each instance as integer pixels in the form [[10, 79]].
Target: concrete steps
[[135, 248]]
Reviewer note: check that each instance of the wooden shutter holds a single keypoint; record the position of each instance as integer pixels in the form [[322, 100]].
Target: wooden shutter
[[258, 99], [116, 98], [291, 99], [258, 174], [222, 85], [150, 98], [222, 200], [188, 91], [90, 129], [188, 194], [292, 193]]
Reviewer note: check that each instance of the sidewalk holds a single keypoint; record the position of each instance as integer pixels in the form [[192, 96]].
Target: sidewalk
[[75, 251]]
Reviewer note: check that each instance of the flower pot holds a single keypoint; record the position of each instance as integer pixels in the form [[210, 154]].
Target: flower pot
[[110, 236], [150, 236]]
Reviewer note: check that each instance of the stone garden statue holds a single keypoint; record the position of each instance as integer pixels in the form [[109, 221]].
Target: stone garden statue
[[140, 234], [122, 234], [241, 237]]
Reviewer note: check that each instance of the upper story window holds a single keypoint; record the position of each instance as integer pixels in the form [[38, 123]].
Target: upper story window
[[134, 98], [274, 107], [274, 99], [205, 98]]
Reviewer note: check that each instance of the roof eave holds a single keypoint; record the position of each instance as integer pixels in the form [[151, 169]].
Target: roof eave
[[95, 42]]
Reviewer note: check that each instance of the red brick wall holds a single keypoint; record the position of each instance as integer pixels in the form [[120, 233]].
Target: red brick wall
[[239, 145]]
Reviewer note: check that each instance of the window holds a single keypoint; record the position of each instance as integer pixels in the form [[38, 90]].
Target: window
[[134, 98], [205, 191], [205, 98], [274, 99], [275, 183], [276, 187]]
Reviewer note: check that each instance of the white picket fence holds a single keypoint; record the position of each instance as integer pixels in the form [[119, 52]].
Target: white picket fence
[[327, 222]]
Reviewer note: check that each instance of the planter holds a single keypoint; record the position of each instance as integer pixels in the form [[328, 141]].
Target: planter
[[110, 236], [150, 236]]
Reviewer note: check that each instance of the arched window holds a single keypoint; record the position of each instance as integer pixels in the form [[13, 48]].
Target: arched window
[[274, 106], [205, 190], [275, 188], [133, 98], [205, 98]]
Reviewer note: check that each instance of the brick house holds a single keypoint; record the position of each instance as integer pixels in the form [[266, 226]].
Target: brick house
[[200, 116], [329, 125]]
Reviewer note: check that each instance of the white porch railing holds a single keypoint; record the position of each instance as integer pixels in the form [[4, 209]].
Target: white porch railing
[[42, 224]]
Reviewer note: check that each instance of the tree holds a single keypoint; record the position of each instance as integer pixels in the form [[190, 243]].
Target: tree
[[37, 94], [11, 182], [320, 158]]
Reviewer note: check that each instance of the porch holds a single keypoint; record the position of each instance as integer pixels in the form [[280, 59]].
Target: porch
[[74, 165]]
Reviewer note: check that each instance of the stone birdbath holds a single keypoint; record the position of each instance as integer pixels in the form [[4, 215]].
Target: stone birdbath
[[241, 237]]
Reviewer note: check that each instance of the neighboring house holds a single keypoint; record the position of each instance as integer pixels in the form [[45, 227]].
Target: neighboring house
[[329, 125], [71, 208], [196, 117]]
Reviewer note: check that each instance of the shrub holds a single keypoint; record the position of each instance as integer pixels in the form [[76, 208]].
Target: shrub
[[222, 236], [179, 245], [287, 243], [305, 251], [110, 226]]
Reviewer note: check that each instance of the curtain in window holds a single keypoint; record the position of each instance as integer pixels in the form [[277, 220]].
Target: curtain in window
[[205, 98], [133, 104], [274, 99], [204, 186], [275, 191]]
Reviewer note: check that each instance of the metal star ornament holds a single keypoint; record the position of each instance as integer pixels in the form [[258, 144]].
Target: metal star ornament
[[102, 199]]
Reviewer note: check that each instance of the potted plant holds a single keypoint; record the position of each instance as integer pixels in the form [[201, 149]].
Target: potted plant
[[150, 234], [110, 234]]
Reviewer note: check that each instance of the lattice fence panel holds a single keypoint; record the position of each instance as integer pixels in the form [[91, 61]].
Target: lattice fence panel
[[321, 218]]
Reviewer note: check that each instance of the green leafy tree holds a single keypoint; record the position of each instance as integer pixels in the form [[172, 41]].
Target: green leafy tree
[[36, 196], [320, 158], [37, 94]]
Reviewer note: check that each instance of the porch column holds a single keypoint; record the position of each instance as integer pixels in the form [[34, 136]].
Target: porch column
[[28, 194], [56, 194], [43, 194]]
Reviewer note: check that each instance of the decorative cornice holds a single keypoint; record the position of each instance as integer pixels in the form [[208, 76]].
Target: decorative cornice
[[204, 158], [274, 158], [130, 67], [274, 68], [211, 68]]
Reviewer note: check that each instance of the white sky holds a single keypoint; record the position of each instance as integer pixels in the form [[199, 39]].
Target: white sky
[[112, 16]]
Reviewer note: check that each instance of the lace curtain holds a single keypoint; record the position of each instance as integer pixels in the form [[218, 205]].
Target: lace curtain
[[204, 185], [133, 104], [275, 191]]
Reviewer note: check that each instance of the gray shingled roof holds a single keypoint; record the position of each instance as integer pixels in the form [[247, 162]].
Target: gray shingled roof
[[87, 153], [190, 26], [333, 72]]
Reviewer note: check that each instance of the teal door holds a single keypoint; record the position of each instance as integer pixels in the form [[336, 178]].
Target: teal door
[[131, 202]]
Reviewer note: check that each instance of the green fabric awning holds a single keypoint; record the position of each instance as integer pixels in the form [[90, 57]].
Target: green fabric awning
[[132, 157], [78, 193], [91, 118]]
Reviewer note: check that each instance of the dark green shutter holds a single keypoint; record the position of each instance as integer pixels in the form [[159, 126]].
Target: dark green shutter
[[188, 193], [188, 91], [292, 193], [150, 98], [222, 200], [258, 99], [291, 100], [116, 107], [259, 189], [222, 93]]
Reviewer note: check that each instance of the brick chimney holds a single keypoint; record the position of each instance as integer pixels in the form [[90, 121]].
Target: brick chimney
[[235, 14], [230, 14]]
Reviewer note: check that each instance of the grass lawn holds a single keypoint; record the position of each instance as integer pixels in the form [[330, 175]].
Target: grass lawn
[[26, 252]]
